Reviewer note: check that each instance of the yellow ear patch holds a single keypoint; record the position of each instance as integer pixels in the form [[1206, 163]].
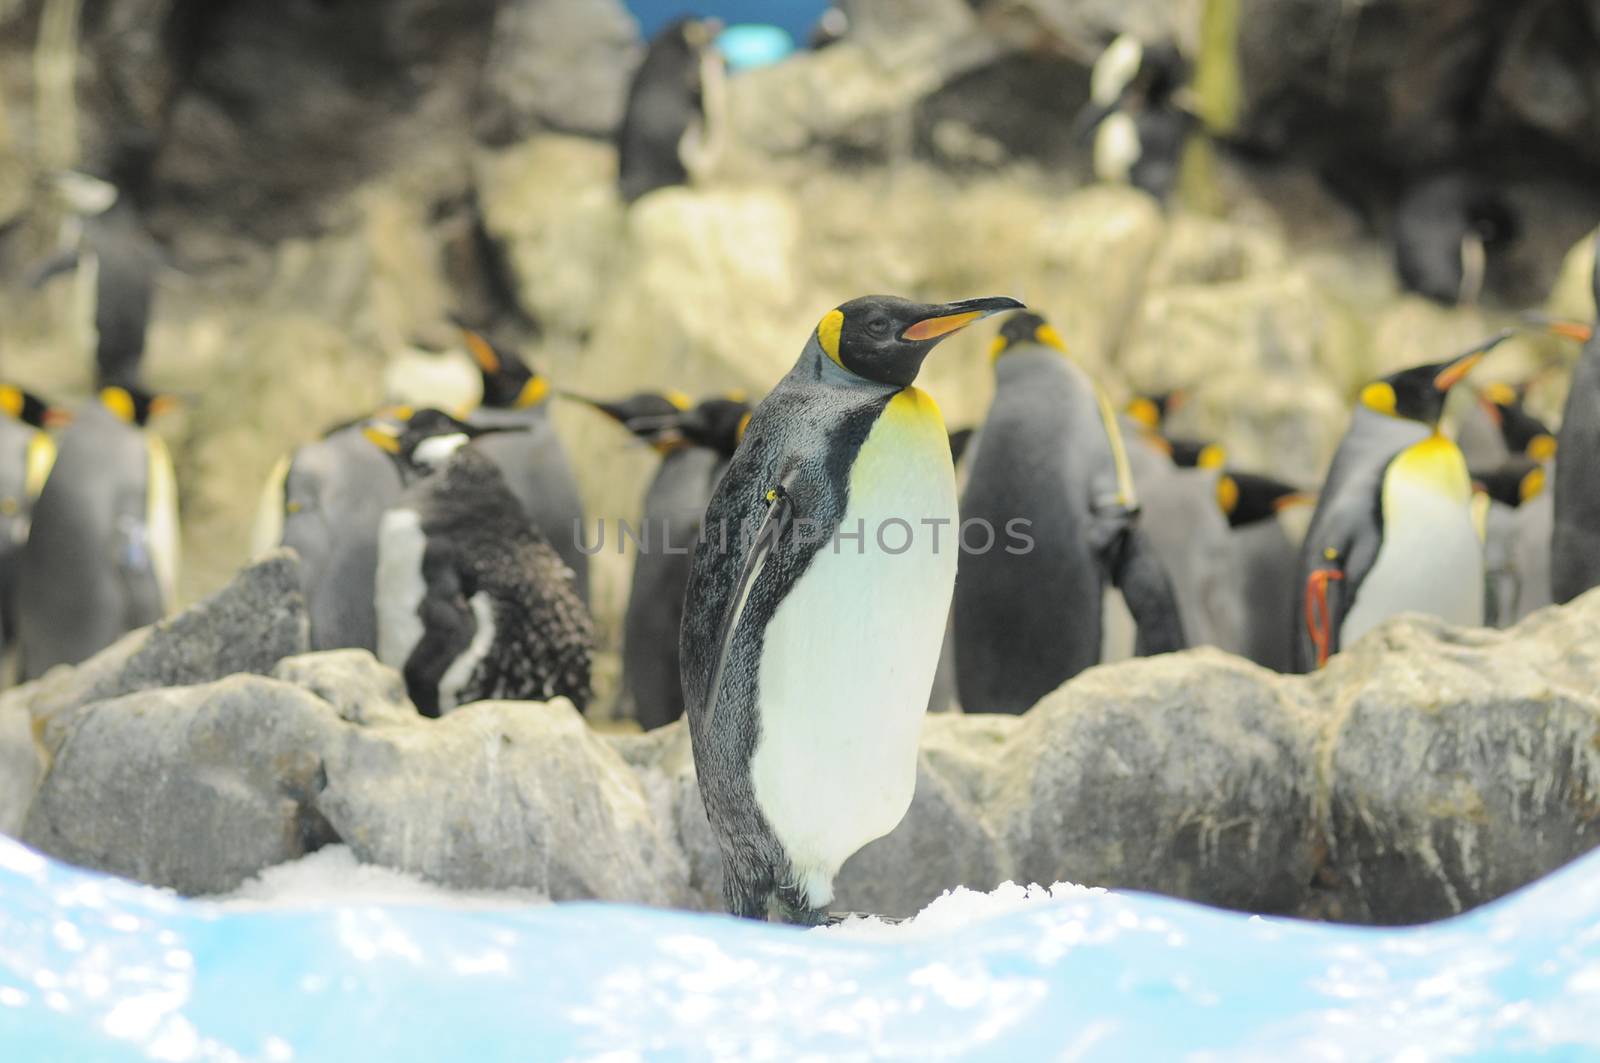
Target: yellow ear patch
[[744, 425], [1227, 494], [11, 400], [388, 442], [119, 402], [1531, 485], [1500, 394], [1212, 456], [1541, 447], [679, 400], [1145, 412], [828, 330], [481, 352], [533, 392], [1047, 335], [1380, 397]]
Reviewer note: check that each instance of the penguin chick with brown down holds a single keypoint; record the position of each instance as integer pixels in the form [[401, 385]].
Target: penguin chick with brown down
[[472, 601]]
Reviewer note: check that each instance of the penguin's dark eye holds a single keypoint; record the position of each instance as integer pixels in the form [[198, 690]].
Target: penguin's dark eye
[[878, 327]]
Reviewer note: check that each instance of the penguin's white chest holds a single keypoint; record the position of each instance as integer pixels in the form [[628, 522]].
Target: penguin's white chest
[[400, 585], [848, 659], [1431, 559]]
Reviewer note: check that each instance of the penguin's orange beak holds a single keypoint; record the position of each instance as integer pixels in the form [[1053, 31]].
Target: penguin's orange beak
[[957, 316], [56, 417], [1452, 374], [1572, 330]]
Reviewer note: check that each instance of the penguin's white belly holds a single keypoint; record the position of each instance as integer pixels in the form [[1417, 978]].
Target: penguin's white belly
[[400, 586], [849, 657], [459, 673], [1431, 559]]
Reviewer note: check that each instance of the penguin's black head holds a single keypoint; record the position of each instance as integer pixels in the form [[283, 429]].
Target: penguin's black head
[[1418, 393], [425, 442], [884, 338], [1196, 453], [1523, 433], [508, 383], [1517, 481], [132, 405], [29, 408], [1246, 498], [1152, 410], [655, 417], [717, 423], [1026, 328]]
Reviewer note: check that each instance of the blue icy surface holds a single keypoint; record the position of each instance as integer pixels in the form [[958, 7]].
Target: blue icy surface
[[96, 968]]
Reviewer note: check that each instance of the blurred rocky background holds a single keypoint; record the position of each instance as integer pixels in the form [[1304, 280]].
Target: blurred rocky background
[[327, 180]]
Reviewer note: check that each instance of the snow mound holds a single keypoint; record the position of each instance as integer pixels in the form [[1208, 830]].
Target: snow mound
[[956, 908], [332, 876]]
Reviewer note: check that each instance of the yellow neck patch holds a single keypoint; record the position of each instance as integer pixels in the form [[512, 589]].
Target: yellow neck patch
[[1227, 494], [1146, 412], [1047, 335], [1379, 396], [11, 400], [1541, 447], [119, 402], [1435, 462], [828, 330], [535, 391], [744, 425], [1531, 485]]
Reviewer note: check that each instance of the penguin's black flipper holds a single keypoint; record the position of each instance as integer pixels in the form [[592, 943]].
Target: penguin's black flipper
[[780, 516], [1339, 559], [1137, 572]]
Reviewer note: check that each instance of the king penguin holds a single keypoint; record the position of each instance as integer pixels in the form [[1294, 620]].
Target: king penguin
[[472, 602], [1133, 112], [1266, 559], [695, 445], [102, 553], [673, 122], [1393, 529], [533, 461], [1051, 455], [1575, 541], [27, 453], [817, 603], [326, 500], [116, 261]]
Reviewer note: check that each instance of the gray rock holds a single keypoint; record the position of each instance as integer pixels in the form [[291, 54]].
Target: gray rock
[[561, 65], [193, 788], [360, 689], [248, 626], [1192, 775], [498, 795], [21, 767], [1463, 764]]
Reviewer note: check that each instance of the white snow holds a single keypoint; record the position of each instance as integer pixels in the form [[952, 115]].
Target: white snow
[[333, 876], [958, 907]]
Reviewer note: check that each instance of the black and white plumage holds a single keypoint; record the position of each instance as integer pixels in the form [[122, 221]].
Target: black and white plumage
[[671, 127], [102, 552], [326, 500], [1575, 543], [1051, 455], [472, 601], [807, 669], [695, 445], [1139, 128], [27, 453], [532, 459]]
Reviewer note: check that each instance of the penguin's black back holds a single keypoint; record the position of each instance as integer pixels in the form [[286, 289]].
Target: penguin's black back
[[124, 290], [664, 101], [1025, 623], [543, 637], [1575, 543]]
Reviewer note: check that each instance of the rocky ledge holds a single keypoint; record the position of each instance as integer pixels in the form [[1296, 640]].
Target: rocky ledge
[[1427, 770]]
